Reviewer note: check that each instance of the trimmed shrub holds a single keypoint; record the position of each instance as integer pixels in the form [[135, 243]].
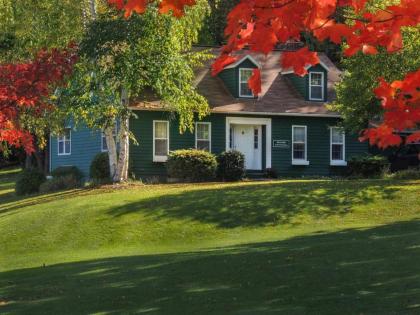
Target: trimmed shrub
[[191, 165], [29, 181], [231, 166], [99, 169], [367, 166], [69, 171], [60, 183]]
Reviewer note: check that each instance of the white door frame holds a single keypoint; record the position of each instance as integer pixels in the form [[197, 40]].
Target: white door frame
[[252, 121]]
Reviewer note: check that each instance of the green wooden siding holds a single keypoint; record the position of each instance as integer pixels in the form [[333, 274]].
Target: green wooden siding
[[318, 146], [230, 77], [141, 156], [301, 84]]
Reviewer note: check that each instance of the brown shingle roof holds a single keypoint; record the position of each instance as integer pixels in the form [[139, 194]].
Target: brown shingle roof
[[278, 95]]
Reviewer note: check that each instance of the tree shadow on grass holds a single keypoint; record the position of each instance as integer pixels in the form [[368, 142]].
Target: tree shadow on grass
[[357, 271], [261, 204]]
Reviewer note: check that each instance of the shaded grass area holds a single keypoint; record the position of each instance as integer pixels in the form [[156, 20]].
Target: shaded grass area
[[280, 247], [355, 271], [262, 204]]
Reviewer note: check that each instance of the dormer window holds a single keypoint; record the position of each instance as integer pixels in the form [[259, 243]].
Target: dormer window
[[244, 75], [316, 86]]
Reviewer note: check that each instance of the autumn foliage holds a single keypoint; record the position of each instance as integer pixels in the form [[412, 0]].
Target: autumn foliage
[[262, 24], [401, 103], [139, 6], [25, 89]]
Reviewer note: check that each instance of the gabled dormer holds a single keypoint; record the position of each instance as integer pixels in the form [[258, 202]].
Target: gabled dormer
[[313, 86], [236, 75]]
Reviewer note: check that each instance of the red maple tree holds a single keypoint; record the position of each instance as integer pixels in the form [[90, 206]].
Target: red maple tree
[[25, 88]]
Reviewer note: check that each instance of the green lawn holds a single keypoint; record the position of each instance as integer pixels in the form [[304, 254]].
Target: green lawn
[[281, 247]]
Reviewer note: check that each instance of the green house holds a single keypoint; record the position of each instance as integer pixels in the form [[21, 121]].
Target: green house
[[287, 127]]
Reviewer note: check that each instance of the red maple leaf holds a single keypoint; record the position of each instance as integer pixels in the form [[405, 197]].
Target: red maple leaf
[[254, 82], [177, 7], [299, 60], [221, 63]]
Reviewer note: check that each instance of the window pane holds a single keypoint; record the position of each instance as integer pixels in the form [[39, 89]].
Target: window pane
[[203, 131], [161, 147], [67, 146], [337, 152], [245, 90], [316, 92], [316, 79], [337, 135], [60, 147], [299, 151], [104, 145], [203, 145], [245, 75], [161, 129], [299, 134], [256, 138]]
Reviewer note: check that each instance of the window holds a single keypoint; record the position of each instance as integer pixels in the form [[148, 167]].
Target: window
[[203, 136], [299, 155], [256, 136], [64, 142], [104, 146], [337, 146], [160, 140], [244, 90], [316, 86]]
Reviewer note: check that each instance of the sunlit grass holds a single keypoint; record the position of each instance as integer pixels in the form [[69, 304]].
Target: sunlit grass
[[288, 246]]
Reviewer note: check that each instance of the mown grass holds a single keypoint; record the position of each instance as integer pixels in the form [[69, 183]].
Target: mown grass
[[281, 247]]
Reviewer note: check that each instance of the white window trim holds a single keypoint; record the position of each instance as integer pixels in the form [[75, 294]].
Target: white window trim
[[305, 160], [342, 162], [102, 142], [196, 138], [58, 143], [160, 159], [240, 81], [322, 86]]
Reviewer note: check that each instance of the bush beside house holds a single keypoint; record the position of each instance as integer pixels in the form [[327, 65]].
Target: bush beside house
[[99, 169], [64, 178], [59, 183], [191, 165], [367, 166], [231, 166], [29, 181], [71, 171]]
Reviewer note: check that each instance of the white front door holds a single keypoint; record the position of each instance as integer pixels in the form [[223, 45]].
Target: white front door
[[247, 139]]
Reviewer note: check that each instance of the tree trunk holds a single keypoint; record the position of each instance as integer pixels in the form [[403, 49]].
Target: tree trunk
[[121, 174], [112, 151], [93, 9]]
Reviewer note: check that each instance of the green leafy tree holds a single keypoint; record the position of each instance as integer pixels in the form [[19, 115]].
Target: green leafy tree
[[215, 22], [356, 101], [136, 60], [28, 26]]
